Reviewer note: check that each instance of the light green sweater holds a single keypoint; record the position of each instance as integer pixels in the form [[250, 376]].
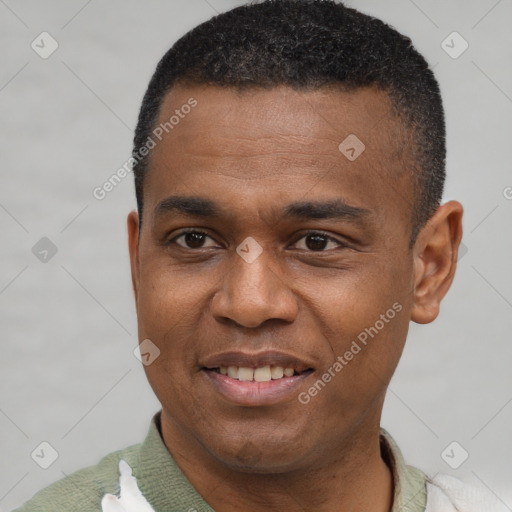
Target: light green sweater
[[167, 489]]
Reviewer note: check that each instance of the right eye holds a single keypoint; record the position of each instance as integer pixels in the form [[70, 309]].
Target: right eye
[[192, 239]]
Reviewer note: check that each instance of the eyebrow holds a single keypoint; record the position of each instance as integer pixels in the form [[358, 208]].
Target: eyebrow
[[193, 206]]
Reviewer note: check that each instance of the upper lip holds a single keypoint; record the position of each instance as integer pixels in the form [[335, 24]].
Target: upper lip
[[256, 360]]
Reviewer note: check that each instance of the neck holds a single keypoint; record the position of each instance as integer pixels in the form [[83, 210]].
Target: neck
[[351, 476]]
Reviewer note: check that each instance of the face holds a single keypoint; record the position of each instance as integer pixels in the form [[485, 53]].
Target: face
[[265, 257]]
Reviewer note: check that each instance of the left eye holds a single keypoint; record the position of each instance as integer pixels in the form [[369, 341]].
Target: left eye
[[318, 242]]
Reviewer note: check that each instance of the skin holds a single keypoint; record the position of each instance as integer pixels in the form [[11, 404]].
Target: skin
[[253, 153]]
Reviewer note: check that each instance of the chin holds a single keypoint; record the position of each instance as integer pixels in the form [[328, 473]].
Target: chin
[[255, 457]]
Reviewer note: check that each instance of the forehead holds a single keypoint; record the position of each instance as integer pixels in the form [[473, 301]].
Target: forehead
[[316, 142], [281, 111]]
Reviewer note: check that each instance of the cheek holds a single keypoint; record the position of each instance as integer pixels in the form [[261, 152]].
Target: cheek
[[364, 322], [168, 310], [167, 295], [368, 335], [353, 300]]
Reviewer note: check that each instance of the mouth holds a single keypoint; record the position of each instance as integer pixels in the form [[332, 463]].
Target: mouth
[[256, 379]]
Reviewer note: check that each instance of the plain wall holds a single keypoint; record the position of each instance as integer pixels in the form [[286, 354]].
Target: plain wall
[[68, 373]]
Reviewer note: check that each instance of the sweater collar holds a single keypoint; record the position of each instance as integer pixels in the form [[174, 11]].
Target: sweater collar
[[167, 489], [409, 483]]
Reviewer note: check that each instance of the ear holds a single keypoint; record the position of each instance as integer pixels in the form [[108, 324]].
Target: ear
[[435, 259], [133, 247]]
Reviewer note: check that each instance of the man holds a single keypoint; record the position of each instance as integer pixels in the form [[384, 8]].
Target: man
[[289, 164]]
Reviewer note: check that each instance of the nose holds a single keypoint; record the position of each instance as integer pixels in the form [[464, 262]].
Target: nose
[[253, 293]]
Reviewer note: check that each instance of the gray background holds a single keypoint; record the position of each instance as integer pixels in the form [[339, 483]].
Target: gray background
[[68, 373]]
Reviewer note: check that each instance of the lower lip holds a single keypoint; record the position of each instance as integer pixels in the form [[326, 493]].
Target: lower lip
[[251, 393]]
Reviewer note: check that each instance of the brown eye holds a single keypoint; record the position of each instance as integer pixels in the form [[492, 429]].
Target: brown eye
[[193, 240], [318, 242]]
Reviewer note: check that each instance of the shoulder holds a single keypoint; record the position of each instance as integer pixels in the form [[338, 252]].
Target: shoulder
[[83, 490], [446, 493]]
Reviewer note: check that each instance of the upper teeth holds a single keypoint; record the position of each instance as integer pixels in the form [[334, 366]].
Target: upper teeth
[[262, 374]]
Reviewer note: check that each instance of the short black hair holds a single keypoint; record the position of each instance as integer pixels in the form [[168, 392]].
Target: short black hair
[[308, 44]]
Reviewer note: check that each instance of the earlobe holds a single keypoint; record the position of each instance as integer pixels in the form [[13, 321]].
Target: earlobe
[[435, 260], [133, 247]]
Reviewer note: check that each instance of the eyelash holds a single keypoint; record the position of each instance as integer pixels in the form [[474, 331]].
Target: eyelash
[[305, 235]]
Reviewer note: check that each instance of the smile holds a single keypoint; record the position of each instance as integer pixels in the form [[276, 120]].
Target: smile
[[265, 378]]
